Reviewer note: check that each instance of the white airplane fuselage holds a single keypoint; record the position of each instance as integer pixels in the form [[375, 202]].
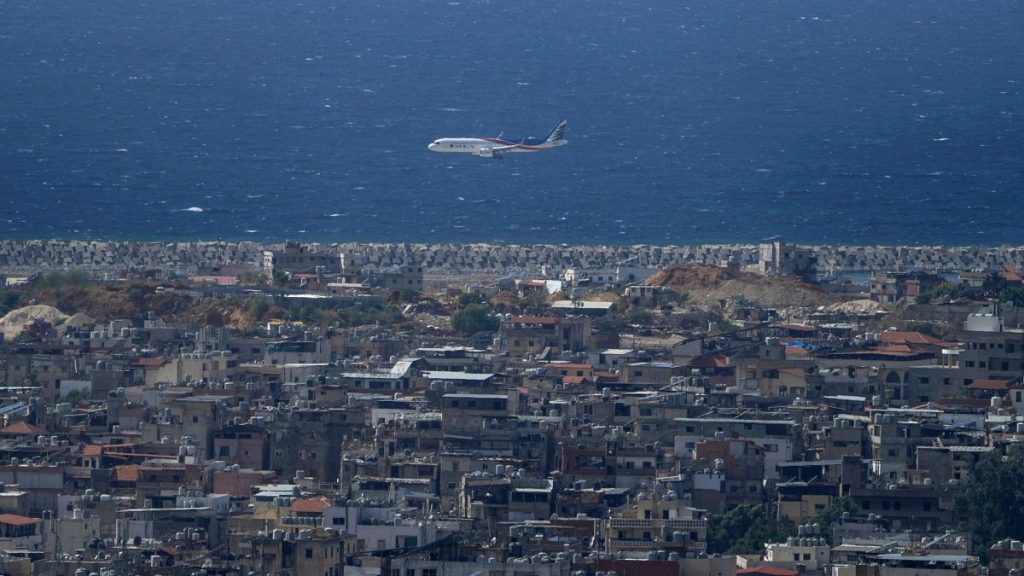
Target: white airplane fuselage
[[480, 146], [497, 147]]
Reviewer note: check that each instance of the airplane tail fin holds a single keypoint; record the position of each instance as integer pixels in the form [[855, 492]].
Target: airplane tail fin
[[558, 134]]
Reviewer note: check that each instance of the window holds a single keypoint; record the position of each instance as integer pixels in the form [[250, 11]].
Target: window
[[429, 572], [309, 552], [337, 521]]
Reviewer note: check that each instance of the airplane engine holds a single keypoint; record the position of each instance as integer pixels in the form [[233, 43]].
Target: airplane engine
[[485, 152]]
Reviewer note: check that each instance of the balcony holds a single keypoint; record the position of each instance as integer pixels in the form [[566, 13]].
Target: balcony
[[652, 524]]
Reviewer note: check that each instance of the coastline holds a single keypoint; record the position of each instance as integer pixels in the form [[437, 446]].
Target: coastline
[[28, 256]]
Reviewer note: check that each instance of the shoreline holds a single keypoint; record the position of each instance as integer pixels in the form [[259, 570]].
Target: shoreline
[[27, 256]]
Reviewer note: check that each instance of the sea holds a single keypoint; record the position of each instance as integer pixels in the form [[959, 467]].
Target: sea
[[689, 121]]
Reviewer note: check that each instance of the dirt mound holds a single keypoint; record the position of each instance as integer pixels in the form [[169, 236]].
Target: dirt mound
[[709, 285], [16, 320], [697, 277]]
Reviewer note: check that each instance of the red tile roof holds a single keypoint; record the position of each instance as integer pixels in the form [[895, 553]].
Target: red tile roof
[[18, 520], [1012, 274], [21, 429], [900, 348], [92, 450], [312, 505], [127, 473], [990, 384], [767, 571], [710, 361]]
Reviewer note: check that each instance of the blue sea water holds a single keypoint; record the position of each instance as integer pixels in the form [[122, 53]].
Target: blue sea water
[[825, 121]]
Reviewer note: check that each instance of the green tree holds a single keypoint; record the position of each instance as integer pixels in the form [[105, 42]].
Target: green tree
[[535, 301], [991, 499], [1012, 295], [467, 298], [76, 397], [637, 315], [943, 292], [472, 319], [745, 530], [280, 278], [9, 301], [409, 295], [926, 328], [63, 278], [827, 517]]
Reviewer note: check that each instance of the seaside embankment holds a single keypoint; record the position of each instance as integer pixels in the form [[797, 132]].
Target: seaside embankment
[[28, 256]]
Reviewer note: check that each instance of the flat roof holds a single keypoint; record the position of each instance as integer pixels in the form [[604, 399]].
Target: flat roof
[[927, 557], [808, 463], [481, 396], [735, 420], [450, 375], [846, 398]]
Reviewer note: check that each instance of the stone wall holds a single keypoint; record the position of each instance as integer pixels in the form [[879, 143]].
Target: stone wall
[[24, 257]]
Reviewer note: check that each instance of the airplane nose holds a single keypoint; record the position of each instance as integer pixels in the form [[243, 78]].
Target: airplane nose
[[431, 146]]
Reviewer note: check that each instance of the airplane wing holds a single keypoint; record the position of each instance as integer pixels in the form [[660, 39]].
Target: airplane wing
[[503, 149], [495, 152]]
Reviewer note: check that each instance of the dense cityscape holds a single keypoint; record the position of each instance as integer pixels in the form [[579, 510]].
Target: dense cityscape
[[471, 410]]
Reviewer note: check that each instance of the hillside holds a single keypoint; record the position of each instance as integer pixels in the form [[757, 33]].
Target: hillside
[[708, 285]]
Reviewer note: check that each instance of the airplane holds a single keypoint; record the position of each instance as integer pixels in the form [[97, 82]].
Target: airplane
[[497, 147]]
